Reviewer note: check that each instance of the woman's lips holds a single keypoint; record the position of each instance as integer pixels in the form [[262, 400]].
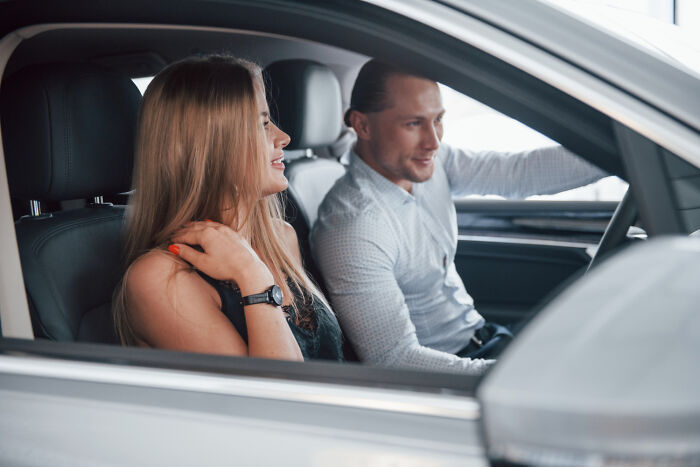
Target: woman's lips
[[278, 163]]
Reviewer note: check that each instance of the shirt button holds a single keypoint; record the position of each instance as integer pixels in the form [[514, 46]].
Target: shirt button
[[444, 261]]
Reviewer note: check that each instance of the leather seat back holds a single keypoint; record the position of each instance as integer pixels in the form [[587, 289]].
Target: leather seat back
[[305, 101], [68, 133]]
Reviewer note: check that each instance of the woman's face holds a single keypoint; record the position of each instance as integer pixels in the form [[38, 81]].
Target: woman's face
[[275, 140]]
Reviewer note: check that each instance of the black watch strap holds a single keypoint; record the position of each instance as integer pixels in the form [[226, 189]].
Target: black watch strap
[[273, 295]]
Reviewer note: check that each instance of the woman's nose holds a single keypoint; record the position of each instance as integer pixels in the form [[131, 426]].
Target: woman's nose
[[282, 139]]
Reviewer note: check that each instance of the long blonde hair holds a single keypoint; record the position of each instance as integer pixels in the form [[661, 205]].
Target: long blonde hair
[[200, 150]]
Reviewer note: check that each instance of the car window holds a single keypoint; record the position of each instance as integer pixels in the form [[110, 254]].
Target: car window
[[142, 83], [473, 125]]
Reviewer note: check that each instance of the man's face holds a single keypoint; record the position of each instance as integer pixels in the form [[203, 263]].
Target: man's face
[[403, 139]]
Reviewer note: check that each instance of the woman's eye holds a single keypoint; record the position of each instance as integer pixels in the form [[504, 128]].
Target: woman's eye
[[266, 123]]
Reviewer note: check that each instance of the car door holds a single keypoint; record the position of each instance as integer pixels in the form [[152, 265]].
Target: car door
[[513, 254]]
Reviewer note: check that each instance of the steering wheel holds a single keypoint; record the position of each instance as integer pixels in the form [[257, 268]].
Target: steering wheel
[[616, 232]]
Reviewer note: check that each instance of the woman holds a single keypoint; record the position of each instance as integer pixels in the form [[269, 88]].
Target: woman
[[205, 239]]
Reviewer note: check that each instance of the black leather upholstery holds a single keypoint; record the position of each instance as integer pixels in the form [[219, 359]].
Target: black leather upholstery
[[68, 131], [70, 263]]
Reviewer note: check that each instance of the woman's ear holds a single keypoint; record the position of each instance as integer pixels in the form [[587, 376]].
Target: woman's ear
[[360, 123]]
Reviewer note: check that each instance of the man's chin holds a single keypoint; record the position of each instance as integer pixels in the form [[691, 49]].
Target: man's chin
[[423, 174]]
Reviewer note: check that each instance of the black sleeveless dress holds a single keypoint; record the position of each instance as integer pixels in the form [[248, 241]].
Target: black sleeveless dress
[[325, 341]]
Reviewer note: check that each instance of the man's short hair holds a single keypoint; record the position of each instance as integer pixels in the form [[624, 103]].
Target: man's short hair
[[369, 94]]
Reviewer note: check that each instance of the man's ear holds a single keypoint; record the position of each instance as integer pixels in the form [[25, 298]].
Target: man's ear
[[360, 123]]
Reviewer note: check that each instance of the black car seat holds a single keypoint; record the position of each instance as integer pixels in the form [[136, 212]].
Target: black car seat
[[305, 101], [68, 133]]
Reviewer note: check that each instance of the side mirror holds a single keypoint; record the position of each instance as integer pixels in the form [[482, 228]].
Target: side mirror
[[609, 372]]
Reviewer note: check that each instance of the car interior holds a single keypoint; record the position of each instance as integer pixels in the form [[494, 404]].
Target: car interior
[[69, 187], [74, 141], [69, 110]]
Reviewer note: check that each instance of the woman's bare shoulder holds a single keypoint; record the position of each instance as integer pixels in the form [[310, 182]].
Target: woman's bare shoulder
[[154, 268], [158, 277]]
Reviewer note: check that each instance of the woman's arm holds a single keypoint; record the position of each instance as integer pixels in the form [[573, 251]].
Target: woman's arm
[[226, 255], [178, 309], [172, 307]]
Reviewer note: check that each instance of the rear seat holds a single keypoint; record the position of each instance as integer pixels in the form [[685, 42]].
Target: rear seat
[[69, 134]]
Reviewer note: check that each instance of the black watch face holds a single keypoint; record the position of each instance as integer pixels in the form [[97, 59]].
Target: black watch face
[[276, 294]]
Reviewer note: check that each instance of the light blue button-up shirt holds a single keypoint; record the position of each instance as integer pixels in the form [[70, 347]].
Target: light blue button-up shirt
[[387, 256]]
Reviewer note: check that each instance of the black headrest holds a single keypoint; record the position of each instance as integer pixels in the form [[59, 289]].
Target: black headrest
[[305, 101], [68, 131]]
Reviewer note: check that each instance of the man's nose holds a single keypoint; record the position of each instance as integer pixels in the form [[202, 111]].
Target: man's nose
[[431, 137]]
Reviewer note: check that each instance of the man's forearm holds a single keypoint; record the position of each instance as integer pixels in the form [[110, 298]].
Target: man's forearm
[[415, 356], [517, 175], [390, 341]]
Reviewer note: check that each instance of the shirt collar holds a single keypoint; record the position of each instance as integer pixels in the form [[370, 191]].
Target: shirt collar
[[390, 191]]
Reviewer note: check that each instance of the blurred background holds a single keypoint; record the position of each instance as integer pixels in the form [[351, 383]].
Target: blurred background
[[670, 28]]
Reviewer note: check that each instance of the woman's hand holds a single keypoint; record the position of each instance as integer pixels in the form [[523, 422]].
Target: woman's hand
[[226, 255]]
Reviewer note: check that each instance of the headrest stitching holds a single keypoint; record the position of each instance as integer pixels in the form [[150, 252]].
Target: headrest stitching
[[42, 239]]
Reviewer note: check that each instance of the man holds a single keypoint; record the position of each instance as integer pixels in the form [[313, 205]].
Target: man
[[386, 233]]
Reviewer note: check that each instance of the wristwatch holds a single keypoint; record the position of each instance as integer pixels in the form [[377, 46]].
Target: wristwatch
[[273, 295]]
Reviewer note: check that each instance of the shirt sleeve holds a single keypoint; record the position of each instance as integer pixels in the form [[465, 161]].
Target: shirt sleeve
[[356, 257], [539, 171]]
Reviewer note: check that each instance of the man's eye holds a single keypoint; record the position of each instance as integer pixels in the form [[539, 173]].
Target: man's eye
[[413, 123]]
